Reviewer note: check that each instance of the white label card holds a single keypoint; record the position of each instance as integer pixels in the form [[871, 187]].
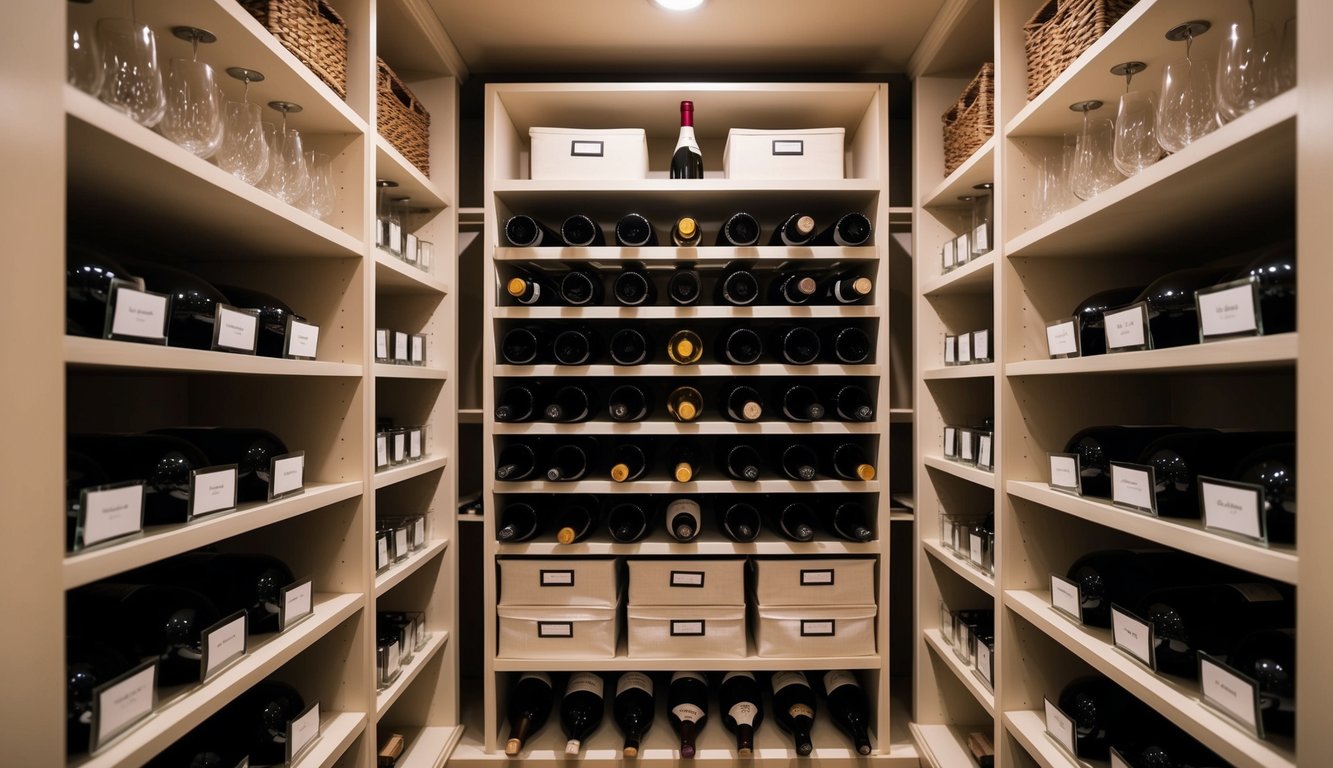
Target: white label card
[[557, 578], [693, 628], [555, 629], [288, 475], [687, 579], [1132, 635], [950, 350], [1232, 507], [950, 442], [381, 451], [395, 237], [302, 339], [976, 549], [410, 249], [1127, 328], [399, 446], [414, 443], [963, 245], [212, 489], [810, 628], [983, 662], [400, 350], [381, 552], [138, 314], [109, 512], [124, 701], [1060, 727], [949, 255], [1132, 486], [984, 452], [1062, 338], [381, 344], [981, 345], [981, 238], [966, 445], [419, 532], [1066, 598], [235, 329], [1065, 472], [418, 349], [1228, 311], [297, 603], [1231, 692], [223, 643], [400, 542], [964, 348], [816, 577], [302, 732]]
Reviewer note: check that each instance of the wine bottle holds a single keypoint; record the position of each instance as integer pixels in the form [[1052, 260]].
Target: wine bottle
[[90, 662], [740, 230], [685, 347], [1097, 447], [634, 709], [271, 334], [798, 462], [742, 709], [518, 522], [574, 346], [1178, 460], [743, 404], [251, 450], [794, 708], [853, 403], [685, 404], [570, 404], [1123, 576], [740, 346], [194, 302], [683, 287], [634, 287], [517, 461], [795, 521], [848, 708], [851, 230], [627, 522], [629, 461], [1210, 619], [259, 717], [685, 462], [634, 230], [685, 232], [1091, 317], [801, 403], [740, 522], [249, 582], [850, 461], [740, 461], [1173, 316], [581, 288], [687, 162], [1269, 658], [792, 288], [797, 344], [629, 346], [521, 346], [517, 403], [850, 521], [1273, 468], [687, 708], [1274, 270], [627, 402], [1097, 706], [848, 288], [683, 519], [797, 229], [163, 462], [581, 709], [211, 744], [738, 286], [524, 231], [581, 231], [529, 706], [570, 461], [849, 345], [140, 621], [88, 279], [531, 288]]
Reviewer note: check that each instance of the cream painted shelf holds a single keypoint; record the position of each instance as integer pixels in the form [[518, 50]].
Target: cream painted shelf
[[469, 415], [901, 415], [624, 663], [395, 276], [969, 371], [964, 568], [691, 428], [698, 486], [337, 731], [704, 253], [1028, 727], [966, 675], [396, 573], [681, 371], [977, 169], [943, 746], [390, 477], [695, 192], [974, 277], [84, 352], [409, 673], [686, 313], [1255, 353], [391, 371], [971, 474], [660, 543], [390, 164], [428, 747]]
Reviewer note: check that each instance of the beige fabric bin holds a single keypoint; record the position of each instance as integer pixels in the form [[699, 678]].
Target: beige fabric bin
[[543, 632], [573, 153], [576, 581], [689, 632], [825, 581], [687, 582], [815, 153], [824, 630]]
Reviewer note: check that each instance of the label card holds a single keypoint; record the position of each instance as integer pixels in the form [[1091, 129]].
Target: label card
[[286, 475], [414, 442], [135, 315], [555, 629], [1234, 694], [419, 532], [1133, 635], [693, 628], [425, 251], [983, 666], [381, 451], [400, 350], [1067, 598], [223, 643], [1133, 487], [396, 237], [962, 245], [1127, 329], [981, 346], [381, 344], [235, 330], [418, 349], [301, 339], [1229, 310], [212, 489], [690, 579], [1062, 338], [821, 628], [1235, 508], [108, 512], [400, 545], [950, 442], [980, 240], [964, 348], [410, 249], [399, 447], [1066, 474], [1060, 727], [976, 550], [120, 703], [950, 350], [302, 733], [817, 577], [967, 450], [984, 452], [382, 558], [949, 255], [296, 603]]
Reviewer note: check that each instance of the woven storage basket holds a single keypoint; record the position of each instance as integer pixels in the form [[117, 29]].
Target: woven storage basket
[[402, 120], [971, 121], [1063, 29], [312, 31]]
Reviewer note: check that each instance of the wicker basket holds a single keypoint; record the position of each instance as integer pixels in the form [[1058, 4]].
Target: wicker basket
[[1063, 29], [312, 31], [971, 121], [401, 119]]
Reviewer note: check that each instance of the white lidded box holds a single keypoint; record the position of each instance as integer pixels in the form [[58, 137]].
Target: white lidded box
[[686, 582], [689, 632], [566, 632], [603, 154], [826, 581], [824, 630], [814, 153], [583, 581]]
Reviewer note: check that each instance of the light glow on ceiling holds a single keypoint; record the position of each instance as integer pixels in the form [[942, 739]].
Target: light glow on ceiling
[[678, 5]]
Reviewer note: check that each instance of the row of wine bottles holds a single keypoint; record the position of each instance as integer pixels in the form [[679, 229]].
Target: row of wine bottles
[[630, 518], [1107, 717], [740, 702], [567, 459], [1180, 455], [566, 344], [738, 284], [735, 400], [252, 726], [739, 230]]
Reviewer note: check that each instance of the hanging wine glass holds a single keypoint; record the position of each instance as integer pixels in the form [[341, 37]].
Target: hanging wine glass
[[294, 180], [83, 60], [1135, 146], [322, 196], [272, 179], [1244, 79], [1284, 68], [193, 117], [131, 80], [1093, 170], [1186, 110], [244, 152]]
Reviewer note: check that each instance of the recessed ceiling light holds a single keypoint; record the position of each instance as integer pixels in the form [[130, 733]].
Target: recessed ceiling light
[[678, 5]]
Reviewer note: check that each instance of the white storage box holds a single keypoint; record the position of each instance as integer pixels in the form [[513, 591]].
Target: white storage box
[[571, 153], [690, 632], [815, 153], [583, 581], [830, 581], [543, 632], [825, 630], [686, 582]]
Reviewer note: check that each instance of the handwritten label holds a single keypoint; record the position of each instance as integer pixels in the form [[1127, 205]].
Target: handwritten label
[[1132, 635], [302, 732], [124, 701], [235, 329], [138, 314], [223, 643], [288, 475], [1062, 338], [297, 603], [1066, 598], [1060, 727], [1230, 692], [1132, 487], [1232, 507], [110, 512], [212, 490], [1065, 473], [302, 339], [1228, 311], [1127, 328]]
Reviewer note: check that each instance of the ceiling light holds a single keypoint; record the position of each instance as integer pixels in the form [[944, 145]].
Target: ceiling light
[[678, 5]]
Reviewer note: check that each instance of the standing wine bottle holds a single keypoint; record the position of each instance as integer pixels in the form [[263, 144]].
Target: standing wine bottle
[[581, 288], [792, 288], [740, 230], [90, 662], [740, 346], [683, 519], [685, 404], [163, 462], [742, 709], [848, 708], [794, 708], [581, 709], [687, 162], [1097, 706], [628, 522], [797, 344], [850, 521], [685, 232], [1178, 460], [1211, 619], [853, 403], [1269, 658], [1091, 317], [740, 522], [798, 462], [851, 230], [797, 229], [570, 404], [629, 346], [801, 403], [685, 347], [249, 582], [574, 346], [146, 620], [524, 231], [795, 521], [517, 461], [848, 345], [627, 402], [634, 709], [521, 346], [1124, 576], [743, 404], [687, 708], [531, 288], [517, 403], [738, 286], [570, 461], [518, 522], [251, 450], [634, 287], [684, 287], [529, 706], [629, 461], [850, 462], [582, 231], [1273, 468], [685, 462], [740, 461], [1097, 447], [848, 288], [634, 230]]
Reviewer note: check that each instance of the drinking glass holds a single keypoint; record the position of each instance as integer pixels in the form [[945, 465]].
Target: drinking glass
[[1284, 69], [1244, 79], [1046, 195], [193, 117], [272, 179], [295, 183], [1135, 145], [1093, 170], [322, 196], [1186, 110], [83, 61], [244, 152], [131, 79]]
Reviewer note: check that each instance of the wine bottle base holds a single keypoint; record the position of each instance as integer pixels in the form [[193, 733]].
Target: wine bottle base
[[573, 747], [512, 747]]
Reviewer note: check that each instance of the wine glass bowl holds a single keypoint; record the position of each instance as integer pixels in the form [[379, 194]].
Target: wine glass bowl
[[131, 79], [245, 150], [1244, 68], [322, 196], [193, 117], [1093, 170], [1135, 145], [83, 59]]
